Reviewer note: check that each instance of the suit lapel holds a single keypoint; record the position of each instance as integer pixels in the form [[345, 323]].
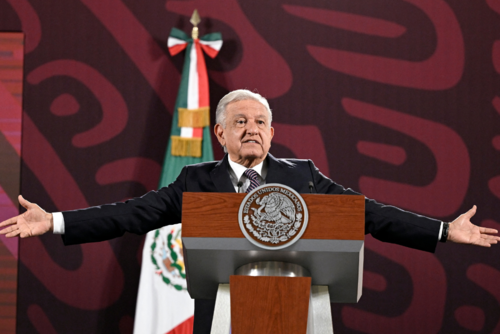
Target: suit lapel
[[275, 171], [287, 173], [220, 177]]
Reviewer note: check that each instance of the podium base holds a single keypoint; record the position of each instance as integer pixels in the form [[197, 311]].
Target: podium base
[[270, 297], [320, 312], [221, 323]]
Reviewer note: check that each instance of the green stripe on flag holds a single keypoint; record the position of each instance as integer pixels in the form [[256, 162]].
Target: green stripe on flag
[[179, 34], [215, 36]]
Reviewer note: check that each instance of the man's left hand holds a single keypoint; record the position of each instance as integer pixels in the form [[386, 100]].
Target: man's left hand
[[462, 231]]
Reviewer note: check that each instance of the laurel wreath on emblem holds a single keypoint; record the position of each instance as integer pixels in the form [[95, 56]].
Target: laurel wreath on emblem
[[173, 255], [277, 223]]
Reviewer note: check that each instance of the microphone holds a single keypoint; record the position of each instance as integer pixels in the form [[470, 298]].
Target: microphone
[[240, 184], [311, 187]]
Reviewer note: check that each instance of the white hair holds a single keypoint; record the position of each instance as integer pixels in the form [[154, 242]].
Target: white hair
[[235, 96]]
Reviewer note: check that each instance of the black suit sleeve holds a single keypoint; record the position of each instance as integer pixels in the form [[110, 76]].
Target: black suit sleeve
[[385, 222], [139, 215]]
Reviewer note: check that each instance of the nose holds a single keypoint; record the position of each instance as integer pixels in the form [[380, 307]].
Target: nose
[[252, 128]]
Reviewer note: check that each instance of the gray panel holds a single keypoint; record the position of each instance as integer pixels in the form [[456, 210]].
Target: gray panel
[[335, 263]]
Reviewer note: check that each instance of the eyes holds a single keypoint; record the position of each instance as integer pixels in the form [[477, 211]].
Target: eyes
[[241, 122]]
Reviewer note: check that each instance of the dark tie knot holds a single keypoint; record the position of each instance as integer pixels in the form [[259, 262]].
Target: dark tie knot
[[253, 177]]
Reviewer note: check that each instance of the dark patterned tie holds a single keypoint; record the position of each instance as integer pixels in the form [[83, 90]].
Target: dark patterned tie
[[253, 177]]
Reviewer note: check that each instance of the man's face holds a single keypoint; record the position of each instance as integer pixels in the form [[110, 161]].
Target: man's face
[[248, 134]]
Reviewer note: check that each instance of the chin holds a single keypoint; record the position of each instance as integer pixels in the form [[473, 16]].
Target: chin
[[251, 154], [249, 157]]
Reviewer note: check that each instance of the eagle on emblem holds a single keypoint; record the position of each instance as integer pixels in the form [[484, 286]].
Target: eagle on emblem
[[271, 217], [278, 208]]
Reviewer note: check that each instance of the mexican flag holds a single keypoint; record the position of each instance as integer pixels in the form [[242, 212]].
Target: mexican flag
[[163, 303]]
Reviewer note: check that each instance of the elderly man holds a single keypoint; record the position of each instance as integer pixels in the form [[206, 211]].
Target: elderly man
[[244, 130]]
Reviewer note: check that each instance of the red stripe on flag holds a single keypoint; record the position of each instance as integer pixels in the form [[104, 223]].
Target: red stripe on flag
[[203, 99], [177, 48], [211, 52], [185, 327], [197, 132]]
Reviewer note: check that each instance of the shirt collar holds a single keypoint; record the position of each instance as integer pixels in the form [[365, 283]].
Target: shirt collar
[[240, 169]]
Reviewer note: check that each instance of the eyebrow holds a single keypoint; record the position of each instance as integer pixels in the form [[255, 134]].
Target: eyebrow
[[242, 115]]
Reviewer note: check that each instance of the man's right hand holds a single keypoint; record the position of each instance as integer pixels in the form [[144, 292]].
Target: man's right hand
[[35, 221]]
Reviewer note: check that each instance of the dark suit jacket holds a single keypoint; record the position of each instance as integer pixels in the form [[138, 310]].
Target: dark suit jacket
[[163, 207]]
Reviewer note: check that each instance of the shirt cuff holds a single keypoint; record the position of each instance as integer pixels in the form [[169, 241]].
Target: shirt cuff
[[58, 220], [440, 231]]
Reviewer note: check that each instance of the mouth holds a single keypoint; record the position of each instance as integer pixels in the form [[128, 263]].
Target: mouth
[[250, 142]]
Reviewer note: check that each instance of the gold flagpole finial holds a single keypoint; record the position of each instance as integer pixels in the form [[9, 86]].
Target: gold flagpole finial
[[195, 19]]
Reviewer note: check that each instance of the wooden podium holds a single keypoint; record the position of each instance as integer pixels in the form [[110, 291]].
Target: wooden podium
[[330, 252]]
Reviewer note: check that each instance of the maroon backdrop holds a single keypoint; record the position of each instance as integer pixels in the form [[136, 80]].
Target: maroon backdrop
[[396, 99]]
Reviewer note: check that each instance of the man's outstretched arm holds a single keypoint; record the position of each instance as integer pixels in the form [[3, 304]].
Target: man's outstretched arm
[[462, 231], [35, 221]]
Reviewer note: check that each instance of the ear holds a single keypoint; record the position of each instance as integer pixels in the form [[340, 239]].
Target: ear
[[219, 133], [272, 132]]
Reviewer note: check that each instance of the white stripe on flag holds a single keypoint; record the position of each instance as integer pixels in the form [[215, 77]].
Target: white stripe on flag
[[193, 94], [187, 132], [213, 44], [172, 41]]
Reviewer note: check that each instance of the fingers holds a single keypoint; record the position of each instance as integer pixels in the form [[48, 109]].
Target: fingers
[[10, 231], [490, 237], [23, 202], [12, 234], [484, 230], [491, 240], [8, 222], [486, 240], [469, 214], [486, 243], [15, 231]]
